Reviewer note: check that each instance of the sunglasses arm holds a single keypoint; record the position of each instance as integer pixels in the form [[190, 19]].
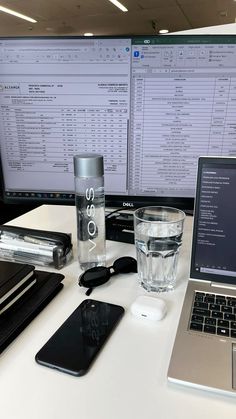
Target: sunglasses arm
[[89, 291]]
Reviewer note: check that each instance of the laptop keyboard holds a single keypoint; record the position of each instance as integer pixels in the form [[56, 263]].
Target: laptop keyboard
[[214, 314]]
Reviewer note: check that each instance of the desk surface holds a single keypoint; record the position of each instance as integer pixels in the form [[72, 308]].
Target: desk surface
[[128, 380]]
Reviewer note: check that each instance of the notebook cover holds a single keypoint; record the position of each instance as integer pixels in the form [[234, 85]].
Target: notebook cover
[[17, 293], [11, 273], [20, 314]]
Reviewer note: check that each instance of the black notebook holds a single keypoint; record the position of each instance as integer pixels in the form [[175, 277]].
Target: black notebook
[[16, 294], [22, 312], [13, 276]]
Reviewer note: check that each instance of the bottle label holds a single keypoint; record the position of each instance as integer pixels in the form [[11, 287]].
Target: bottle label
[[90, 210]]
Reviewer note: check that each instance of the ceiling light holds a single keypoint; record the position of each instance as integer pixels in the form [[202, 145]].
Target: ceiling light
[[12, 12], [162, 31], [88, 34], [119, 5]]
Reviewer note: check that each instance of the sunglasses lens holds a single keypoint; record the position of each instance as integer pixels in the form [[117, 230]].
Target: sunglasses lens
[[94, 277], [125, 265]]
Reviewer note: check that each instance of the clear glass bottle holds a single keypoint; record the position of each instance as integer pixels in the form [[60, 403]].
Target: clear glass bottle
[[90, 209]]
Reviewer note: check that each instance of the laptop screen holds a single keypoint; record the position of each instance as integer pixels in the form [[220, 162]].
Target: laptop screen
[[214, 233]]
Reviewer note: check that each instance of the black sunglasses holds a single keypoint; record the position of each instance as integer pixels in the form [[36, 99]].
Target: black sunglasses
[[101, 274]]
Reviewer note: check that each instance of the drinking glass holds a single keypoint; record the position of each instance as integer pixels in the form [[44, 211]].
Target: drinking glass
[[158, 237]]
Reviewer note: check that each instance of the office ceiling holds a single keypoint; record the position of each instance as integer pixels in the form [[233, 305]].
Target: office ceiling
[[75, 17]]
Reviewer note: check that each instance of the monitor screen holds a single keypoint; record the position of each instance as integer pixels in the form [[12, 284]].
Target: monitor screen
[[214, 221], [150, 105]]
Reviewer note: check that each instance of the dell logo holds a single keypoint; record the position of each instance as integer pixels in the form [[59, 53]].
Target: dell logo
[[128, 204]]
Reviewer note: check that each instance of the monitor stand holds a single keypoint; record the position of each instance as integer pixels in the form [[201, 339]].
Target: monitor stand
[[120, 227]]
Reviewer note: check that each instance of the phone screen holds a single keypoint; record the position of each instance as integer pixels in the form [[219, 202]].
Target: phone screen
[[75, 344]]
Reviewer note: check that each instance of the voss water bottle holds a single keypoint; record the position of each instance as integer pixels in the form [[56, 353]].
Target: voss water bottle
[[90, 208]]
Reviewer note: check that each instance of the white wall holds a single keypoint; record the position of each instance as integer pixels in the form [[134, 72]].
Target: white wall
[[227, 29]]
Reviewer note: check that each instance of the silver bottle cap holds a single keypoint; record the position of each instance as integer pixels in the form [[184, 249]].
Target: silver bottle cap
[[88, 165]]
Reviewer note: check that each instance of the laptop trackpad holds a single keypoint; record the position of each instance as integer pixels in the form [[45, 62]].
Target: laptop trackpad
[[234, 365]]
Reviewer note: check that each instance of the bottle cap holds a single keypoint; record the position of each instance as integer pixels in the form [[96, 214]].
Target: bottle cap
[[88, 165]]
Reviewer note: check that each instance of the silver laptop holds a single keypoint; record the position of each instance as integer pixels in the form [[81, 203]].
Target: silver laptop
[[204, 352]]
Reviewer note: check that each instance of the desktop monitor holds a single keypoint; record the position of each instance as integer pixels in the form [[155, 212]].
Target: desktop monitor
[[151, 105]]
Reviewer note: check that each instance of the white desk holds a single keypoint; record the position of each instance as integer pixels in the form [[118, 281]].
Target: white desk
[[128, 380]]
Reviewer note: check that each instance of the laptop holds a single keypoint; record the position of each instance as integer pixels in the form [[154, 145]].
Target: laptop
[[204, 351]]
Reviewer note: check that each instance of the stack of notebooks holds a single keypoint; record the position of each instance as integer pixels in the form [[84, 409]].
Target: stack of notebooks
[[15, 281], [24, 292]]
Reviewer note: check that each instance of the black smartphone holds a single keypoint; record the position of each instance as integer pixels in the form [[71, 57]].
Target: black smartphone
[[76, 343]]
